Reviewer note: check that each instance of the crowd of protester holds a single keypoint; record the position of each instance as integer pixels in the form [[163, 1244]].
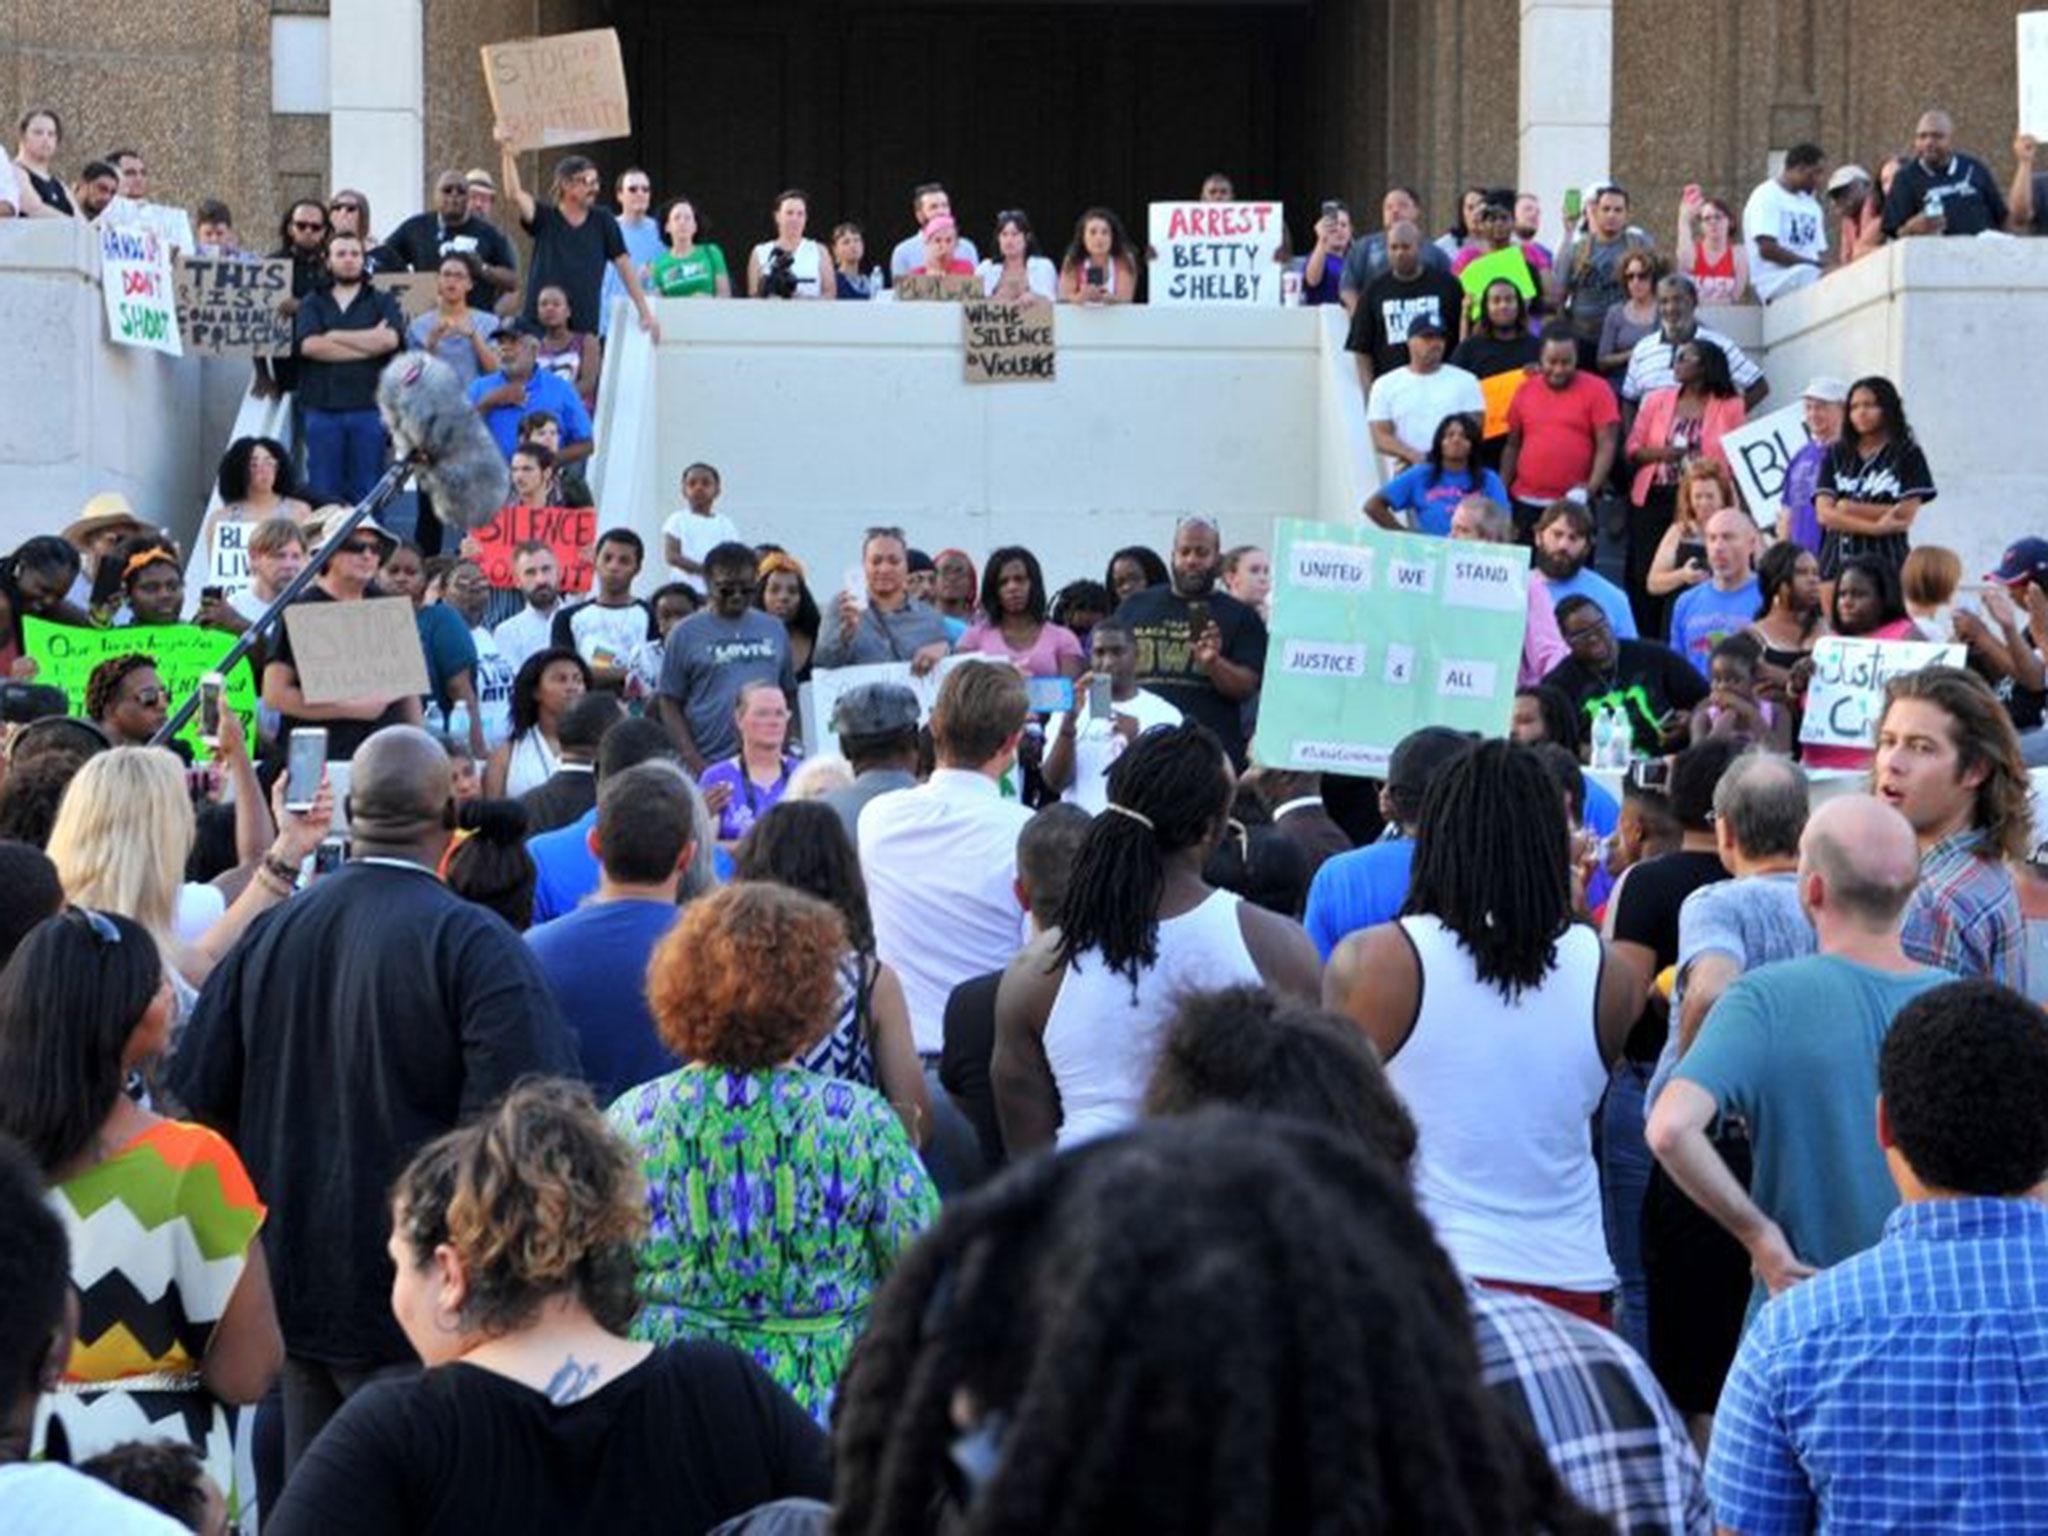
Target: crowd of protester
[[614, 1100]]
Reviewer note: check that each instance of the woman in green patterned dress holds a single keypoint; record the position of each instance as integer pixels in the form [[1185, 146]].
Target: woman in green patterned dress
[[176, 1325], [777, 1199]]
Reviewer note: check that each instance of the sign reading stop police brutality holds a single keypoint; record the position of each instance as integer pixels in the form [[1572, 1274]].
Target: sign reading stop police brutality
[[1215, 253], [1849, 674], [565, 89], [137, 286], [1376, 634]]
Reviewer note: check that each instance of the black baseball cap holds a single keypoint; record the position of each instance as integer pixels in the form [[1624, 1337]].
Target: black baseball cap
[[2025, 560]]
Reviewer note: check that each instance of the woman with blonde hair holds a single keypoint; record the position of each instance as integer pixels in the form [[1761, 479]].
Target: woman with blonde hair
[[778, 1198], [512, 1240], [123, 833]]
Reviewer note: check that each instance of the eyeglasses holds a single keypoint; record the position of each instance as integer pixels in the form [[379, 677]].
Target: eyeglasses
[[317, 226], [1585, 631], [362, 547], [149, 698], [636, 186], [454, 189], [1638, 276], [97, 924]]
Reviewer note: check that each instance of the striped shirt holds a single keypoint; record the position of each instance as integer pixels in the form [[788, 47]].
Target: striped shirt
[[1965, 916], [1906, 1389], [1613, 1437]]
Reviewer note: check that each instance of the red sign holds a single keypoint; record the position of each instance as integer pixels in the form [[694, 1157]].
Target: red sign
[[568, 531]]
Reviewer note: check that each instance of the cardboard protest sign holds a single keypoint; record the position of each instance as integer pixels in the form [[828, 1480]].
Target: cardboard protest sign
[[1007, 343], [565, 89], [230, 308], [949, 287], [138, 289], [413, 290], [568, 531], [1760, 453], [1376, 634], [1215, 253], [2033, 32], [369, 649], [65, 657], [1849, 673]]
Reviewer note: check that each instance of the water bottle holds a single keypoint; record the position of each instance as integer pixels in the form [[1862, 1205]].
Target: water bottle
[[1608, 742]]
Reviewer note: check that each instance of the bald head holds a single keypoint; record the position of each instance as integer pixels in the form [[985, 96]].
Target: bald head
[[1404, 247], [398, 787], [1761, 800], [1865, 858]]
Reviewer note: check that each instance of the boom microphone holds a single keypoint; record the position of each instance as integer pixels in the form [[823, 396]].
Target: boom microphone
[[432, 423]]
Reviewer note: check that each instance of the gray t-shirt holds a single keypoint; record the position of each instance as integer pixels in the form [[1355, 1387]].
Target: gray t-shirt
[[879, 637], [1592, 277], [708, 660], [1756, 920]]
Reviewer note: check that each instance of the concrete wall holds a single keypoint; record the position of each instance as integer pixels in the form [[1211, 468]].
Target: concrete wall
[[79, 415], [829, 418]]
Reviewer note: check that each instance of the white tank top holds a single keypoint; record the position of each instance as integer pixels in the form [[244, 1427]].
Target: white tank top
[[805, 263], [1100, 1043], [1503, 1096]]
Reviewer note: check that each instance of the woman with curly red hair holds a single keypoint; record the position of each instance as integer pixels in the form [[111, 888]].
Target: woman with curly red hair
[[777, 1199]]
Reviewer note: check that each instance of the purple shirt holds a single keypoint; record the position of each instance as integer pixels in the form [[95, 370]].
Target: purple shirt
[[749, 802], [1801, 475]]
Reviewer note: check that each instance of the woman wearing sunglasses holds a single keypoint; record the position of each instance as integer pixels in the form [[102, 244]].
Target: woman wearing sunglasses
[[176, 1328]]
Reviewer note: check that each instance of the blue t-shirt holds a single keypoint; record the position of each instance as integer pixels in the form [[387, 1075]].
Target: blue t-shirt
[[565, 870], [1359, 889], [1705, 616], [446, 643], [1792, 1048], [544, 392], [595, 959], [1433, 505], [1621, 618]]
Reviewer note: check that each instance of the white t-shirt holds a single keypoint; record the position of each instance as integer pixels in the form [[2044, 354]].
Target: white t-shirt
[[804, 265], [10, 183], [1416, 403], [37, 1497], [1795, 221], [197, 909], [493, 683], [1097, 745], [527, 631], [698, 536], [1039, 272]]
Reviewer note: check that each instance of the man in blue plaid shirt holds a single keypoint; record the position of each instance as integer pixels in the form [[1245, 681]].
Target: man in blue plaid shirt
[[1906, 1389]]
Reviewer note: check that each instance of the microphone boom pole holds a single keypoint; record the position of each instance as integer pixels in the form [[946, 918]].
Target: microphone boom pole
[[380, 496]]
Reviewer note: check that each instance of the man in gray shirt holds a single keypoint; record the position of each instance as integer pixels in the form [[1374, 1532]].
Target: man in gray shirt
[[877, 728], [712, 655]]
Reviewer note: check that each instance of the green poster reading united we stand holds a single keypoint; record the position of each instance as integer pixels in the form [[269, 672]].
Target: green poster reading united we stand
[[1376, 634]]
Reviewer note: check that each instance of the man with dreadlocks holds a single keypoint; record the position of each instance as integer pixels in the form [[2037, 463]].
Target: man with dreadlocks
[[1221, 1323], [1498, 1018], [1078, 1010]]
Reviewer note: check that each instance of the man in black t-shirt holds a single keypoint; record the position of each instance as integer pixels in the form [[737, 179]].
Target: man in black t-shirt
[[342, 336], [1406, 292], [1939, 192], [1199, 648], [1651, 684], [574, 240], [425, 238]]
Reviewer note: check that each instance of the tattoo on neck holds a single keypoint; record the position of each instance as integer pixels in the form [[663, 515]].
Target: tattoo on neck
[[571, 1381]]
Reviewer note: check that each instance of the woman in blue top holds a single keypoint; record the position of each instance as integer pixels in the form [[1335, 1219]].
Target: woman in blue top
[[1429, 492]]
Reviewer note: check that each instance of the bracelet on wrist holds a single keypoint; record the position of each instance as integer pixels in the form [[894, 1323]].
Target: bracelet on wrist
[[282, 868]]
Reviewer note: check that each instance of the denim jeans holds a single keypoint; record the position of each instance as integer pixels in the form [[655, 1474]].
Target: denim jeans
[[1624, 1178], [345, 452]]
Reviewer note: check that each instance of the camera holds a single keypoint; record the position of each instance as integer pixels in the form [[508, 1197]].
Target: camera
[[779, 281], [22, 702]]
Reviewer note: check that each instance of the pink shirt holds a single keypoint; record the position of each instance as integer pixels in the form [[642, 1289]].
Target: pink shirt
[[1543, 644], [1054, 644]]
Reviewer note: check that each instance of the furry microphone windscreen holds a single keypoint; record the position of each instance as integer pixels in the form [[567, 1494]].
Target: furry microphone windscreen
[[429, 416]]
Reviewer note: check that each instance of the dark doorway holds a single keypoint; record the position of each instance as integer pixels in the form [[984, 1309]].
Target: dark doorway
[[1050, 108]]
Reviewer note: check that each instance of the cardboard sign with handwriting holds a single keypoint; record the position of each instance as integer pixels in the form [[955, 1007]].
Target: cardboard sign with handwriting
[[415, 291], [368, 649], [1007, 343], [956, 287], [565, 89], [233, 308]]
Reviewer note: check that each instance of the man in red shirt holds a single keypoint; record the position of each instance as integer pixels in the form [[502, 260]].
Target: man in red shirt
[[1562, 429]]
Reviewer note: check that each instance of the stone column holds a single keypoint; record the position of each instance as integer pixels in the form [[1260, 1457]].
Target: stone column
[[378, 111], [1566, 109]]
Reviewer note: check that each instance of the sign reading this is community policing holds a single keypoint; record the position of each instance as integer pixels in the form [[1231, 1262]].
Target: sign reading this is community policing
[[1376, 634]]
